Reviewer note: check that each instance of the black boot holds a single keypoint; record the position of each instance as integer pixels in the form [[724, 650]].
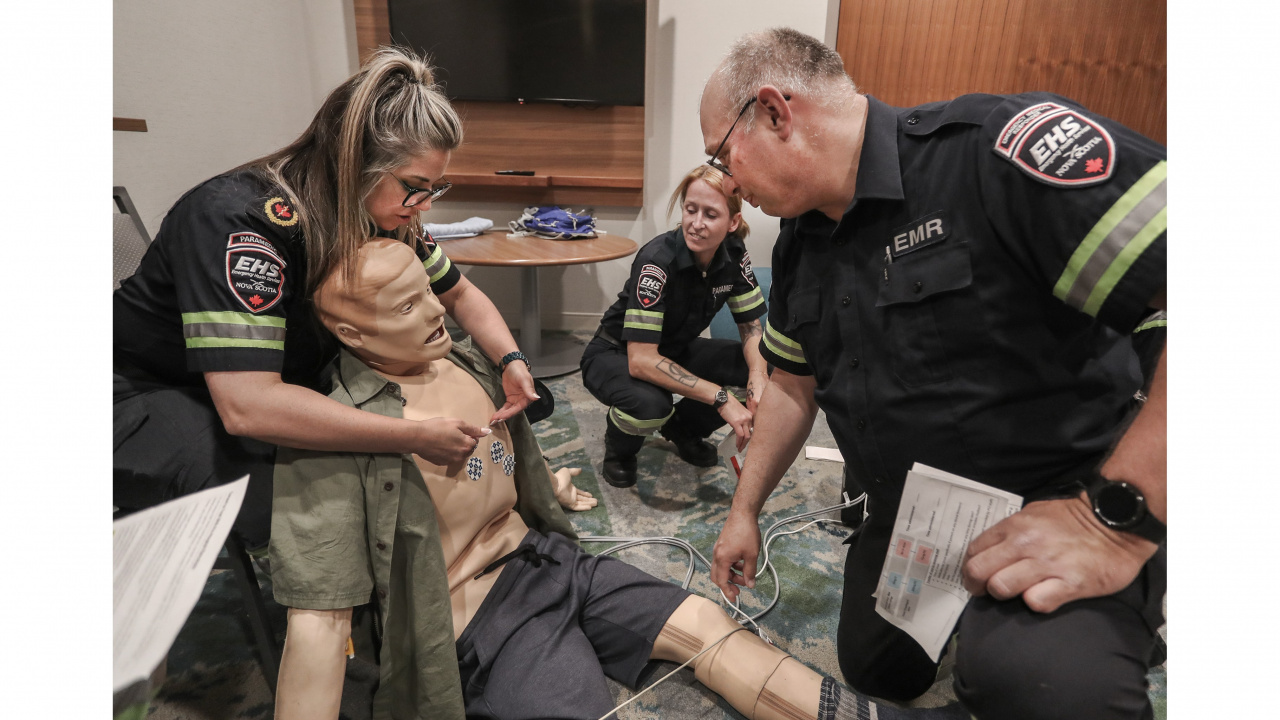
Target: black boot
[[620, 456], [690, 447]]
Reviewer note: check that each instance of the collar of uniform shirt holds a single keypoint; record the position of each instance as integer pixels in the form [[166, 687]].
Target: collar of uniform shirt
[[879, 175]]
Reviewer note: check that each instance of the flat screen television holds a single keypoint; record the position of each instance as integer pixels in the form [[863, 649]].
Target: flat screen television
[[578, 51]]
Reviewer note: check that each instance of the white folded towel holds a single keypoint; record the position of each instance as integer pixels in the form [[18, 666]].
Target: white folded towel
[[467, 228]]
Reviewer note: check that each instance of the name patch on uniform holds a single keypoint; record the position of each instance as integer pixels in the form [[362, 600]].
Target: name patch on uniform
[[746, 270], [280, 212], [649, 285], [923, 232], [1057, 146], [255, 273]]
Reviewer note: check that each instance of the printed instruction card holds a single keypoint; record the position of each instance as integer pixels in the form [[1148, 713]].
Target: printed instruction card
[[920, 586], [162, 557]]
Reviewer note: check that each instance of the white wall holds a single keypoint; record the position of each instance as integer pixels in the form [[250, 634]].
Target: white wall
[[221, 82]]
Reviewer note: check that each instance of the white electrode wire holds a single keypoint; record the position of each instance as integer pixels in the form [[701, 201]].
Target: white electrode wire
[[770, 535], [673, 672]]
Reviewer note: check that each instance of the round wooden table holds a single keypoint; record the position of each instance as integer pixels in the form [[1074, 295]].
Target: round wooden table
[[549, 356]]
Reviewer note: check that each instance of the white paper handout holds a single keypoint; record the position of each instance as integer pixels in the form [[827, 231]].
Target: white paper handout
[[920, 586], [162, 557]]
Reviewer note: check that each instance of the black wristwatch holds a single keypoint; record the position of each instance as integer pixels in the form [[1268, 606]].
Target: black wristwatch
[[722, 397], [509, 357], [1121, 506]]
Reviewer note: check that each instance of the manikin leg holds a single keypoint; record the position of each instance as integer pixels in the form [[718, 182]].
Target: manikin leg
[[313, 665], [761, 681]]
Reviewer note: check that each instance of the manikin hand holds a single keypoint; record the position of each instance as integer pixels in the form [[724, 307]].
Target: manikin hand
[[570, 497], [739, 418], [517, 384], [755, 390], [1051, 553], [449, 440], [737, 548]]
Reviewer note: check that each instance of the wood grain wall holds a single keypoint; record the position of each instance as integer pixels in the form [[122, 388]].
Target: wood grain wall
[[1108, 55]]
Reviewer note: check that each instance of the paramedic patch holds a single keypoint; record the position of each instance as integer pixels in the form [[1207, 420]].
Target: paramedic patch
[[649, 285], [747, 274], [1057, 146], [254, 273]]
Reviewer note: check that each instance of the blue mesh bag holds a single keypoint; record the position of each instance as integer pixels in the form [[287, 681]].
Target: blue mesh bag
[[554, 223]]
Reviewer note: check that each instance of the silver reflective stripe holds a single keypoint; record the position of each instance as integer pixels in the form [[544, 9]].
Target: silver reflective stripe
[[636, 426], [782, 346], [746, 301], [642, 320], [226, 330], [1115, 242]]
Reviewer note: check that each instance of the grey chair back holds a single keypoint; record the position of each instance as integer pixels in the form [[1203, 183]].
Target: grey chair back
[[129, 237]]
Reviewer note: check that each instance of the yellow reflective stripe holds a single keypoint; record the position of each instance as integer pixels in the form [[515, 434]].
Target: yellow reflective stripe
[[437, 264], [218, 342], [782, 346], [636, 426], [642, 320], [1108, 250], [232, 318], [1118, 267], [746, 301], [1151, 325]]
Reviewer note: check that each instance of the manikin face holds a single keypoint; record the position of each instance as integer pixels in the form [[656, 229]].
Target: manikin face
[[391, 319], [385, 203], [705, 220]]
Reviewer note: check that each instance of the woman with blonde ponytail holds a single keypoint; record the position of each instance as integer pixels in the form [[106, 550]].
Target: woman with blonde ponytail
[[217, 355]]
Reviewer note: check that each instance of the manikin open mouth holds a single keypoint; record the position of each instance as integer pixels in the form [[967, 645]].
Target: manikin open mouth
[[435, 335]]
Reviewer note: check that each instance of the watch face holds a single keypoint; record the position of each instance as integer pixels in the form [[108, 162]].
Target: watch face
[[1118, 504]]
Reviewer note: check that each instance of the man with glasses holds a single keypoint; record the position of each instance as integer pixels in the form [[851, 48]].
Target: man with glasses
[[956, 284]]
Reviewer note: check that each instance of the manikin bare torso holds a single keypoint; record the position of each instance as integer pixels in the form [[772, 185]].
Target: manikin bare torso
[[476, 517]]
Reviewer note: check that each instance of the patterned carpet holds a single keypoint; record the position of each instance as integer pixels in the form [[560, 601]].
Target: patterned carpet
[[213, 673]]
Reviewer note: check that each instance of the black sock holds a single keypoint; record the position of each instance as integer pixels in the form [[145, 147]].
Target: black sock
[[840, 703]]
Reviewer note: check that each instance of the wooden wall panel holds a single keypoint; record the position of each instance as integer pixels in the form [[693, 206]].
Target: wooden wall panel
[[1108, 55], [580, 155]]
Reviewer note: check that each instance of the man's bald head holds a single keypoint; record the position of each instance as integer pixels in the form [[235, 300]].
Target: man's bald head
[[788, 59]]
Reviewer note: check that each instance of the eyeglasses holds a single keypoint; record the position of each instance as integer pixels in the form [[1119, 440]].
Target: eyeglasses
[[417, 196], [713, 162]]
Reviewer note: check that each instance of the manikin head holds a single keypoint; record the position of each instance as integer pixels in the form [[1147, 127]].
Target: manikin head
[[795, 94], [386, 314], [707, 214]]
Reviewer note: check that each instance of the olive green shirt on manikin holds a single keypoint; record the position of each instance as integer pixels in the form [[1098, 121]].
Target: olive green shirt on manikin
[[350, 526]]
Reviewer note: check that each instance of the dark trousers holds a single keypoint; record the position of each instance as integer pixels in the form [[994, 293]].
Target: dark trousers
[[1088, 659], [170, 442], [606, 377]]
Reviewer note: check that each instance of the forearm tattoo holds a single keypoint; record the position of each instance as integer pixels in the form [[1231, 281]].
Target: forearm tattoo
[[677, 373], [751, 329]]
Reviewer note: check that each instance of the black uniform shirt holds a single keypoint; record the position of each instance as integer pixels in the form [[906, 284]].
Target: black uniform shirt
[[972, 308], [669, 301], [223, 287]]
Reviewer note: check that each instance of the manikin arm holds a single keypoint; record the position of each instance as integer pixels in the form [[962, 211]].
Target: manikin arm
[[568, 495], [644, 362], [786, 415], [262, 406]]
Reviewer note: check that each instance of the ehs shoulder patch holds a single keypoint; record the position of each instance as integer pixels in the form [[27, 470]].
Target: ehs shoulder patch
[[747, 274], [255, 273], [1057, 146], [649, 285], [280, 212]]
